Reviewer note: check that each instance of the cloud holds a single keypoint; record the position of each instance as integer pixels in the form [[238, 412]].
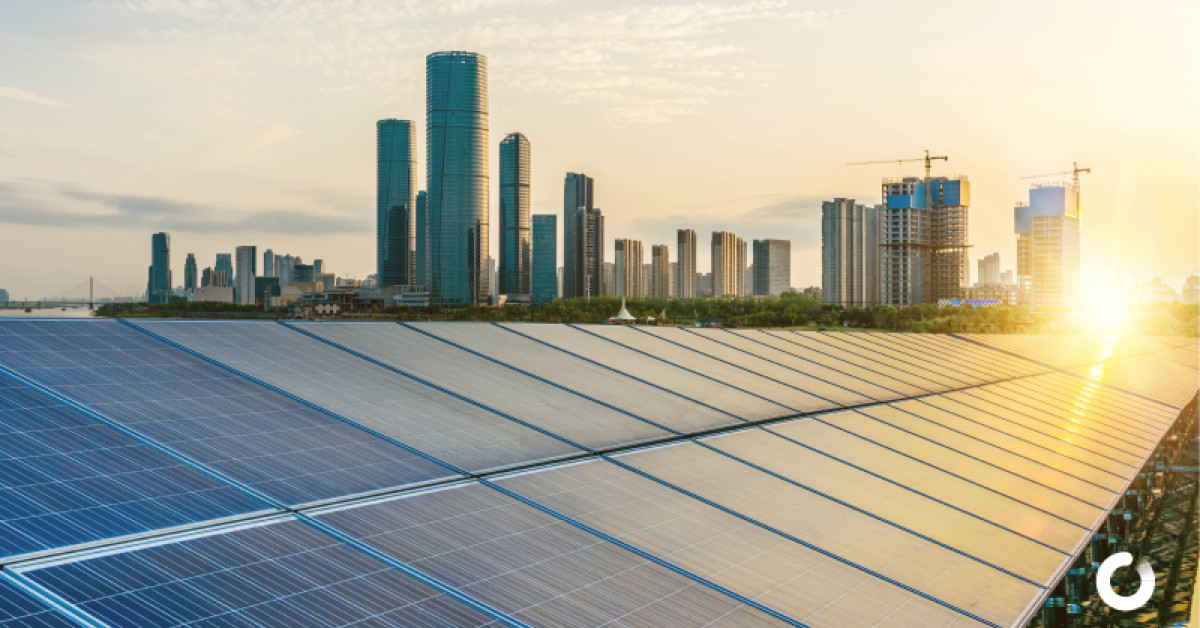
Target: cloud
[[42, 203], [13, 93]]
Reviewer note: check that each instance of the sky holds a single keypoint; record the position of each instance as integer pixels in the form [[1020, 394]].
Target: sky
[[233, 122]]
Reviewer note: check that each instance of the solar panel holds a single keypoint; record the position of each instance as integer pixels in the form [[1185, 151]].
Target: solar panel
[[19, 609], [877, 545], [278, 446], [733, 402], [1149, 376], [721, 372], [773, 570], [532, 566], [892, 382], [960, 530], [796, 369], [932, 376], [285, 573], [439, 424], [967, 355], [1127, 427], [546, 406], [635, 396], [67, 479], [925, 359], [1075, 396]]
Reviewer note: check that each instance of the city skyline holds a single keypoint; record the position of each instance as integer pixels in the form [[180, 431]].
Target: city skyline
[[297, 178]]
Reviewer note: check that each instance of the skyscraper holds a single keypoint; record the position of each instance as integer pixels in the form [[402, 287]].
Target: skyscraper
[[1048, 234], [577, 195], [421, 252], [158, 288], [268, 267], [924, 239], [728, 264], [189, 272], [515, 237], [544, 280], [850, 253], [246, 258], [685, 269], [588, 230], [772, 267], [627, 268], [989, 269], [456, 108], [318, 266], [224, 265], [395, 200], [660, 272]]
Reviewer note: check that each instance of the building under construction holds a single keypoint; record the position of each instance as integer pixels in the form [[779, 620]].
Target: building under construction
[[924, 239]]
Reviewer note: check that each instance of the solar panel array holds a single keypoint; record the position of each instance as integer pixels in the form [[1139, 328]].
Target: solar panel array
[[203, 473]]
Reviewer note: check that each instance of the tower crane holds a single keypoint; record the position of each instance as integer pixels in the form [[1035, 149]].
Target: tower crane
[[928, 159]]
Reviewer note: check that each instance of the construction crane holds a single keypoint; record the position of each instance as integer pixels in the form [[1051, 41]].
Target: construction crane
[[928, 159], [1074, 172]]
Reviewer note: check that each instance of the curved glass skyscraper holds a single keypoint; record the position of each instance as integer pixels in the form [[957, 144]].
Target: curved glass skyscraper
[[395, 194], [456, 118], [515, 238]]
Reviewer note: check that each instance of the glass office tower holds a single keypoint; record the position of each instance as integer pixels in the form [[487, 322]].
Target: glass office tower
[[158, 289], [545, 258], [395, 194], [421, 263], [515, 244], [456, 115]]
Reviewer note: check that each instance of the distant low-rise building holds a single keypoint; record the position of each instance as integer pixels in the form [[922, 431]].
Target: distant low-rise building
[[213, 294]]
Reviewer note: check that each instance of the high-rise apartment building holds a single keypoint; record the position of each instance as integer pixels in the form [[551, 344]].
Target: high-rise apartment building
[[515, 236], [685, 268], [850, 253], [924, 239], [585, 276], [158, 286], [989, 269], [772, 267], [268, 267], [318, 266], [660, 272], [395, 200], [456, 108], [744, 278], [421, 250], [189, 272], [577, 197], [610, 279], [1048, 234], [627, 268], [245, 263], [544, 275], [224, 265], [728, 264]]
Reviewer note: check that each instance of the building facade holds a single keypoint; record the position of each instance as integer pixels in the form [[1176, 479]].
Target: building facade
[[158, 286], [268, 267], [989, 269], [586, 274], [245, 269], [578, 196], [189, 272], [627, 268], [685, 266], [728, 264], [456, 108], [395, 200], [924, 239], [224, 265], [660, 272], [516, 244], [1048, 234], [544, 275], [850, 253], [772, 267]]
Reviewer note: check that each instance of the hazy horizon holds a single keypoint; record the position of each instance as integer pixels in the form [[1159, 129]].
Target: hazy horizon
[[231, 123]]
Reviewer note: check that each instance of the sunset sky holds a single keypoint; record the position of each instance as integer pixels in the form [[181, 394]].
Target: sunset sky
[[231, 122]]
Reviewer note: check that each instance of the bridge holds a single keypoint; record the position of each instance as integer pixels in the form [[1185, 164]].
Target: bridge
[[88, 293]]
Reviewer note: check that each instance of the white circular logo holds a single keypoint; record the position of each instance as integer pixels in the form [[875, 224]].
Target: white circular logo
[[1116, 600]]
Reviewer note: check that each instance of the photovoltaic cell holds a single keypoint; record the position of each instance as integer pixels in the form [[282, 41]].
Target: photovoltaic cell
[[285, 573], [932, 377], [439, 424], [632, 395], [1082, 396], [892, 551], [1025, 395], [67, 479], [1149, 376], [247, 432], [19, 609], [544, 405], [728, 399], [770, 569], [534, 567], [972, 374]]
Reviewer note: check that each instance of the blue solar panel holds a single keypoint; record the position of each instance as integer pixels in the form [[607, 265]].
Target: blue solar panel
[[285, 573], [18, 609], [66, 478], [256, 436]]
